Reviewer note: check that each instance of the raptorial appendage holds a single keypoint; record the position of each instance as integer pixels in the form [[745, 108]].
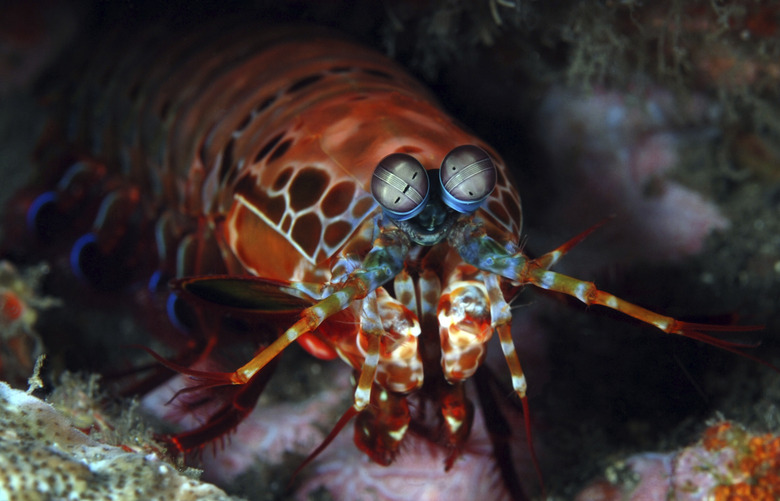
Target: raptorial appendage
[[487, 254]]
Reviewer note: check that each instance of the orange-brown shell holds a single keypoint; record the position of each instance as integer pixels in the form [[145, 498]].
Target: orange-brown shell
[[307, 159], [273, 134]]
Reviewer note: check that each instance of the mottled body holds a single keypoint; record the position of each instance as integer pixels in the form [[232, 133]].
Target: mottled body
[[252, 152], [274, 132]]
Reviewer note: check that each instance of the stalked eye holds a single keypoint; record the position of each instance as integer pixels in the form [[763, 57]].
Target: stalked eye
[[400, 186], [467, 177]]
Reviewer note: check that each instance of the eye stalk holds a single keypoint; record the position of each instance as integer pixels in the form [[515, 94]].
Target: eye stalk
[[400, 186], [424, 209], [467, 177]]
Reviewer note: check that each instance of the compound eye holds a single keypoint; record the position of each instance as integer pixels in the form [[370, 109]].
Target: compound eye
[[467, 177], [400, 186]]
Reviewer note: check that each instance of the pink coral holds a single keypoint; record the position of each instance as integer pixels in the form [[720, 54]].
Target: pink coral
[[611, 154], [417, 473], [276, 429]]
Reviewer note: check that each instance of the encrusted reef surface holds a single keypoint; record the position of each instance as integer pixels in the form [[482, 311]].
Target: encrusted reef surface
[[44, 457], [727, 463]]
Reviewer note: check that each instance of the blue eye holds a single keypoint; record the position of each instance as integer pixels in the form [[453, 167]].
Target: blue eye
[[467, 177], [400, 186]]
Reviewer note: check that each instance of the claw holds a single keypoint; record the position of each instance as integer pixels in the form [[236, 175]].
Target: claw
[[240, 400]]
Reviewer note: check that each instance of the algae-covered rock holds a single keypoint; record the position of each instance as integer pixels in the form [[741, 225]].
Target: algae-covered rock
[[44, 457]]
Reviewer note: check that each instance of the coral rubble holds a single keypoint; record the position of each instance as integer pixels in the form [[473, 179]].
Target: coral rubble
[[45, 457], [20, 343], [729, 463]]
